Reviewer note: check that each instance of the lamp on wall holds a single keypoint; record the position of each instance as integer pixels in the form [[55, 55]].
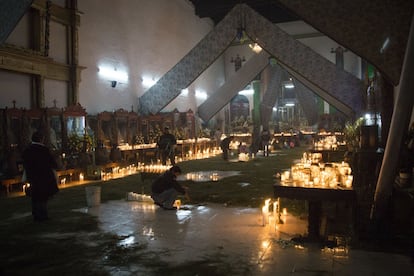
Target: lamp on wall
[[148, 81], [114, 75], [201, 94]]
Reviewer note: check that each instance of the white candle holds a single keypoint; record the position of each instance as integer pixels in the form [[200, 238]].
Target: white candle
[[275, 212], [264, 214]]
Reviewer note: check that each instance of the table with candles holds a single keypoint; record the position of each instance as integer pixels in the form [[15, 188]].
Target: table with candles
[[331, 148], [316, 182]]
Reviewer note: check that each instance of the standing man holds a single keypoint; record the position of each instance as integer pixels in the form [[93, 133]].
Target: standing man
[[225, 146], [40, 166], [265, 138], [165, 189], [166, 146]]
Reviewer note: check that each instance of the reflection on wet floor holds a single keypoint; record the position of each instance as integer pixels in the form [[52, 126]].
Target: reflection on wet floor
[[236, 236]]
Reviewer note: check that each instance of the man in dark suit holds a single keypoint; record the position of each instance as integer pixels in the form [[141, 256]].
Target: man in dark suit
[[225, 146], [40, 166], [166, 145]]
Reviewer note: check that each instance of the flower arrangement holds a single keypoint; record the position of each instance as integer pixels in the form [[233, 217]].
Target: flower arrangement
[[352, 133]]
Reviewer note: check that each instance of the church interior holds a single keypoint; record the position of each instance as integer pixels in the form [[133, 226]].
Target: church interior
[[103, 78]]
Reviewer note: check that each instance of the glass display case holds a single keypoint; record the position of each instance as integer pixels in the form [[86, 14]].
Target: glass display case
[[105, 126], [33, 120], [133, 128], [74, 129], [54, 129], [121, 127]]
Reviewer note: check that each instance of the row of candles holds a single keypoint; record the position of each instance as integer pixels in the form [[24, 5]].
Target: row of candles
[[310, 173], [117, 172], [127, 146]]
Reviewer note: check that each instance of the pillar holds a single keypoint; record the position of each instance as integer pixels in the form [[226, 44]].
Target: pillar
[[256, 115], [399, 125]]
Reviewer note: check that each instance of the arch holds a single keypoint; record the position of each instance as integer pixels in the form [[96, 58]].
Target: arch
[[338, 87]]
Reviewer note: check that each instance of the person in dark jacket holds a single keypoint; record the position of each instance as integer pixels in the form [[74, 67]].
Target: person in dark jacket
[[265, 139], [225, 146], [165, 188], [40, 166], [166, 146]]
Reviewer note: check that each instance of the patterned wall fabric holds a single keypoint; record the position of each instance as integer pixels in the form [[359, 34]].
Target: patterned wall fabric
[[233, 85], [337, 83], [363, 27], [307, 101], [11, 11], [306, 63], [190, 66], [272, 92]]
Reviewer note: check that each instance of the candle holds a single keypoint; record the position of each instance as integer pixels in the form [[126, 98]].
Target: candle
[[177, 203], [348, 181], [264, 214], [275, 212]]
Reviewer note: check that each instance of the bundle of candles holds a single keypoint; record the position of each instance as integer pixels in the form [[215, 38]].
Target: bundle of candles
[[201, 154], [308, 173], [271, 211], [328, 143], [244, 157], [131, 196], [201, 176]]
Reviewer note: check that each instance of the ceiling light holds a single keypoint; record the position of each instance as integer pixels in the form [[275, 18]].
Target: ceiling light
[[255, 48], [246, 92], [385, 45], [289, 85]]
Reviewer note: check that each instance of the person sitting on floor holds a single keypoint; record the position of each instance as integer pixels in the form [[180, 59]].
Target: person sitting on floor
[[165, 188]]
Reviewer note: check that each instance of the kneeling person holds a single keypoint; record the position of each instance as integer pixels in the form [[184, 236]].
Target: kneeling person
[[166, 188]]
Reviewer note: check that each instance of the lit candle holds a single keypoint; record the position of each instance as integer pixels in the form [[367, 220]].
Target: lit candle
[[348, 181], [177, 203], [275, 211], [264, 214]]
